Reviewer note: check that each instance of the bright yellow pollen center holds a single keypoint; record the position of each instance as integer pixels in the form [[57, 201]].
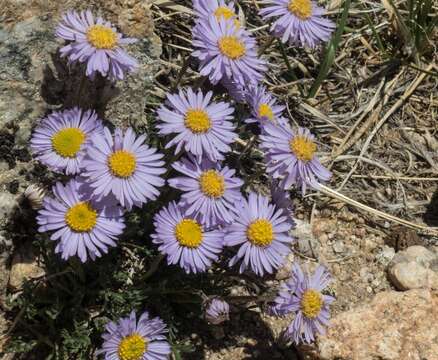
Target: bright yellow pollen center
[[266, 111], [102, 37], [226, 13], [81, 217], [132, 347], [301, 8], [260, 232], [311, 303], [303, 148], [231, 47], [67, 142], [122, 163], [197, 121], [188, 233], [212, 183]]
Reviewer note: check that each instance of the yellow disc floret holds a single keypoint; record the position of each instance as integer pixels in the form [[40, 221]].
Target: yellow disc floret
[[303, 148], [67, 142], [188, 233], [197, 121], [311, 303], [212, 183], [132, 347], [232, 47], [301, 8], [226, 13], [266, 111], [102, 37], [122, 163], [81, 217], [260, 232]]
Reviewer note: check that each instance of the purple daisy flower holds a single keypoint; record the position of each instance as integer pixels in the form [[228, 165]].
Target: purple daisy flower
[[61, 138], [210, 191], [125, 166], [302, 294], [263, 106], [83, 226], [97, 43], [225, 51], [217, 311], [185, 241], [203, 126], [292, 157], [128, 339], [299, 21], [261, 230], [219, 8]]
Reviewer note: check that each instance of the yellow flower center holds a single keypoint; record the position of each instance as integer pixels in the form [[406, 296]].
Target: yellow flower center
[[311, 303], [303, 148], [266, 111], [212, 183], [226, 13], [132, 347], [67, 142], [260, 232], [122, 163], [301, 8], [197, 121], [81, 217], [102, 37], [188, 233], [232, 47]]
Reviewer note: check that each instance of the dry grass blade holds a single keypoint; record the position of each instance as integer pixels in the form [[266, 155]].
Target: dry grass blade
[[334, 194], [390, 112], [172, 5]]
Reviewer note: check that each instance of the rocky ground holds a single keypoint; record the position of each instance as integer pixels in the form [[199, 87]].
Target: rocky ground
[[385, 278]]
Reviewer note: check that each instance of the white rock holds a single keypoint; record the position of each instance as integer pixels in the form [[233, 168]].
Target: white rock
[[414, 268]]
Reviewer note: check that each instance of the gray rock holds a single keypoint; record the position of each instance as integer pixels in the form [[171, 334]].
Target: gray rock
[[338, 247], [385, 255], [307, 243], [24, 267], [414, 268], [8, 204]]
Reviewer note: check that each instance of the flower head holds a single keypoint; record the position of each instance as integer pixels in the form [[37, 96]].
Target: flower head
[[219, 8], [302, 294], [210, 191], [83, 226], [97, 43], [298, 21], [263, 106], [128, 339], [203, 127], [216, 311], [124, 166], [60, 140], [292, 157], [185, 241], [226, 52], [261, 230], [35, 196]]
